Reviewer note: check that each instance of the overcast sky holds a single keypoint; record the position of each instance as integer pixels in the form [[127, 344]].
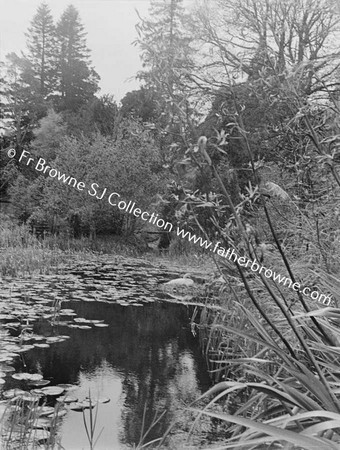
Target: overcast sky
[[110, 25]]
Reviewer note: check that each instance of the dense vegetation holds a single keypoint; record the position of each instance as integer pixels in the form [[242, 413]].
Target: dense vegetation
[[235, 135]]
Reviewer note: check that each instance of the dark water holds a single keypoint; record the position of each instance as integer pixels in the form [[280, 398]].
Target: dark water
[[147, 358]]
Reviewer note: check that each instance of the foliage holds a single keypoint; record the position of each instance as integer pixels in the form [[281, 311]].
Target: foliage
[[41, 45], [77, 80], [49, 134], [104, 162], [167, 56], [99, 115], [22, 253], [141, 104]]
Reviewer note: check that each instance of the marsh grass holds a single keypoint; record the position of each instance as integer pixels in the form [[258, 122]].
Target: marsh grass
[[20, 429], [24, 254], [90, 423]]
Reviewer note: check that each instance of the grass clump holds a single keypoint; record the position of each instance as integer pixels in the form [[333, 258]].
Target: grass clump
[[23, 253]]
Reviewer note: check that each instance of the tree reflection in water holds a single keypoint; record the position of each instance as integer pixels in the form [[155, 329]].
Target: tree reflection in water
[[146, 358]]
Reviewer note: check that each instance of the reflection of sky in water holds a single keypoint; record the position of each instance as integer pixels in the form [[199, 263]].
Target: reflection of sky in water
[[104, 382], [147, 356]]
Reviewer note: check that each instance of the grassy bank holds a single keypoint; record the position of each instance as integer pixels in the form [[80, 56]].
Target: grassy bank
[[24, 254]]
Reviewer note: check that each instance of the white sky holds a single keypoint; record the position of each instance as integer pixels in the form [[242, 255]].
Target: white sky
[[110, 25]]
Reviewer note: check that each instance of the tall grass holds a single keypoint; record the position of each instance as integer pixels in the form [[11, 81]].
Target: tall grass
[[20, 427], [24, 254]]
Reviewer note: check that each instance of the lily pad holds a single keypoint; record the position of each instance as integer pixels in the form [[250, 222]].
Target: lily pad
[[46, 410], [52, 390], [59, 413], [6, 368], [41, 435], [68, 387], [27, 376], [67, 399], [39, 382], [81, 406], [42, 423], [11, 393]]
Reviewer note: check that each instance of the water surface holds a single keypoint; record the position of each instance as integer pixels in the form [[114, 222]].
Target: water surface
[[146, 359]]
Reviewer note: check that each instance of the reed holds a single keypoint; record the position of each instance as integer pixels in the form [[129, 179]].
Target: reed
[[273, 354]]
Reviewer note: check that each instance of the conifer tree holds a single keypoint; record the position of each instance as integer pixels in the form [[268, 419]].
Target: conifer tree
[[41, 44], [167, 57], [165, 45], [77, 80]]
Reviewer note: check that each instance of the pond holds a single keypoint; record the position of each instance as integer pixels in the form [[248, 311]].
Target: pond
[[116, 337]]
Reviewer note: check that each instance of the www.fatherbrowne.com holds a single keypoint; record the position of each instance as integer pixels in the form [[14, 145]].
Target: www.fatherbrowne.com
[[253, 265]]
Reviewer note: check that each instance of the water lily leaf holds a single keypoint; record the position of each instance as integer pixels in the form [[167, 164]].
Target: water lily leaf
[[42, 423], [27, 376], [37, 392], [41, 435], [81, 406], [67, 399], [6, 368], [28, 397], [67, 312], [81, 320], [25, 348], [11, 393], [54, 339], [52, 390], [103, 400], [36, 377], [5, 316], [46, 410], [39, 382], [68, 387]]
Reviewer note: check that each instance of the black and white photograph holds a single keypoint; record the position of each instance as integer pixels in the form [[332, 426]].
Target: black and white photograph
[[170, 224]]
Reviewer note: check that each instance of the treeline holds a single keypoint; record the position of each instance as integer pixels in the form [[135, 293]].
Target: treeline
[[49, 108]]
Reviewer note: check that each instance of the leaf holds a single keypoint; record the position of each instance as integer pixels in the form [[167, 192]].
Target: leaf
[[269, 390], [275, 432], [275, 190]]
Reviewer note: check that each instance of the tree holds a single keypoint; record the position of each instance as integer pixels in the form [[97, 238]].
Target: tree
[[257, 38], [49, 135], [167, 57], [42, 52], [99, 115], [165, 45], [265, 60], [140, 103], [77, 80], [22, 105]]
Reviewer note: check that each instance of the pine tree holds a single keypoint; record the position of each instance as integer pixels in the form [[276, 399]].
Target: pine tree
[[77, 81], [41, 44], [165, 45], [21, 105], [167, 57]]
